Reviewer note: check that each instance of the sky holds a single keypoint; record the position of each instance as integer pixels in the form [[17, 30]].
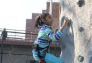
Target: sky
[[13, 13]]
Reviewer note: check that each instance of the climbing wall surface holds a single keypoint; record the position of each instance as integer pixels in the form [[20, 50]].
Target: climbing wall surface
[[79, 45]]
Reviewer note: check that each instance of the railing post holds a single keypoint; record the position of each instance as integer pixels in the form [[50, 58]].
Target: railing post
[[4, 36]]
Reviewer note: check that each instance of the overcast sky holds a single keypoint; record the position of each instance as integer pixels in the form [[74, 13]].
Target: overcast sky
[[13, 13]]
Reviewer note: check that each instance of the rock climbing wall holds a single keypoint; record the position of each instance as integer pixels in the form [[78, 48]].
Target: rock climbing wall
[[78, 37]]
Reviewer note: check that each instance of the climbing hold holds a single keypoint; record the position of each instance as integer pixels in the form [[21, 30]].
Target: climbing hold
[[81, 3], [80, 58], [81, 29]]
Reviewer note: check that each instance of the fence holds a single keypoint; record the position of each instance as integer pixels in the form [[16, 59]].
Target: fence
[[18, 34]]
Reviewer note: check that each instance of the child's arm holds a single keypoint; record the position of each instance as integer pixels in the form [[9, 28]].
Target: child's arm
[[58, 35], [54, 36]]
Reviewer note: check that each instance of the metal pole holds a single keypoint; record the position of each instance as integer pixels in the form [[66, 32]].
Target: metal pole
[[51, 1], [4, 36], [1, 50]]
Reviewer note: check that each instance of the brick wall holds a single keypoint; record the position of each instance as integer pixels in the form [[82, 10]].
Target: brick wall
[[55, 14]]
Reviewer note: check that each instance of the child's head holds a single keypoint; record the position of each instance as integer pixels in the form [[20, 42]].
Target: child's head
[[43, 19]]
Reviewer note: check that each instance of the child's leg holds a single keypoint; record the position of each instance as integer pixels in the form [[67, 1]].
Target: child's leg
[[36, 58], [53, 59], [35, 55], [49, 58]]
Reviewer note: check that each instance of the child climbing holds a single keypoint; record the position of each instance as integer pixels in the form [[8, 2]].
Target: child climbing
[[45, 36]]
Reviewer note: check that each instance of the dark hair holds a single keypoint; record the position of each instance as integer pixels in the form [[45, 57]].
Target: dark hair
[[41, 20]]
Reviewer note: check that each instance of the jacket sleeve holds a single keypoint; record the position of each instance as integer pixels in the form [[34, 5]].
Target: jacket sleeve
[[54, 36]]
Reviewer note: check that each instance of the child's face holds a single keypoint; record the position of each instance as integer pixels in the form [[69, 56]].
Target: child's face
[[49, 19]]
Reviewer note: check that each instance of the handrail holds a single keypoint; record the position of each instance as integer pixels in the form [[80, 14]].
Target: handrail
[[18, 34]]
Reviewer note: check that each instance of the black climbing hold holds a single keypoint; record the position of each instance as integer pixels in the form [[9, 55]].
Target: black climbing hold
[[80, 58], [81, 29], [81, 3]]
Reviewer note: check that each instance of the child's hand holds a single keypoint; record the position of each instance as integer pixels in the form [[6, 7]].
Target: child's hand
[[65, 24]]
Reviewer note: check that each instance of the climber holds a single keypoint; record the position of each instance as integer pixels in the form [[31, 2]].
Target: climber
[[45, 36]]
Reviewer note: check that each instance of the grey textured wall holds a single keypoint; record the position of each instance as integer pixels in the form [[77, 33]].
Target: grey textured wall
[[82, 28], [20, 54], [16, 54]]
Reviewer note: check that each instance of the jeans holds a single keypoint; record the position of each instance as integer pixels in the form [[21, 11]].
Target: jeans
[[49, 58]]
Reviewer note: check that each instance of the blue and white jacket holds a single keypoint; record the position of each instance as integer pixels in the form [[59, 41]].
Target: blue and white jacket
[[44, 36]]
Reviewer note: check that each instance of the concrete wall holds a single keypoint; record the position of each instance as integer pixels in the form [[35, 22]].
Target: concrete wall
[[81, 18], [20, 54], [16, 54]]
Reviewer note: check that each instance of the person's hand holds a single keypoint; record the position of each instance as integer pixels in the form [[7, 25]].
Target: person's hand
[[65, 24]]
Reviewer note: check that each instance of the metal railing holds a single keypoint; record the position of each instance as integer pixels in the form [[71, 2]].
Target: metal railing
[[18, 34], [13, 34]]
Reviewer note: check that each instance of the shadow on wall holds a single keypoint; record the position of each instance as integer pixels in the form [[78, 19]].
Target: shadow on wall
[[68, 43], [90, 61]]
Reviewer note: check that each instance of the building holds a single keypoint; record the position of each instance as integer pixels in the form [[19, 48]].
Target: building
[[15, 50], [30, 23]]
